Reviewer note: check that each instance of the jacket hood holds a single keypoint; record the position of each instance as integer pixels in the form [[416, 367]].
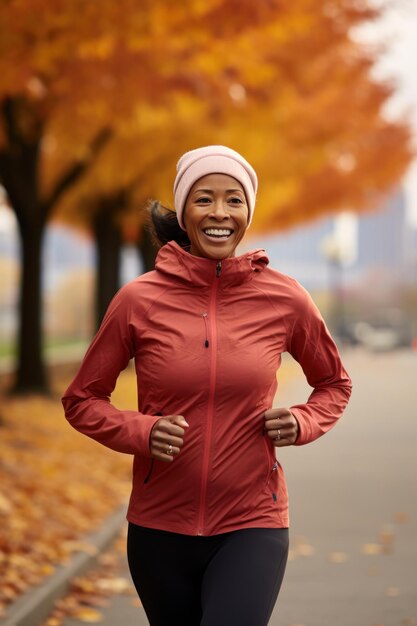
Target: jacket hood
[[175, 261]]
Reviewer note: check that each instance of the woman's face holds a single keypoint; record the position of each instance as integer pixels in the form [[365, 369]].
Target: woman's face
[[216, 216]]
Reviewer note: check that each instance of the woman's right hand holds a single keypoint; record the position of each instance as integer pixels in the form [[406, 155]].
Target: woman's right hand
[[167, 437]]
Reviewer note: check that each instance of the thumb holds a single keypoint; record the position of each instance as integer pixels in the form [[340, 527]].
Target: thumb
[[273, 414], [180, 420]]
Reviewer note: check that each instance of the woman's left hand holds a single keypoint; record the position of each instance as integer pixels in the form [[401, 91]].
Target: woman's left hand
[[281, 426]]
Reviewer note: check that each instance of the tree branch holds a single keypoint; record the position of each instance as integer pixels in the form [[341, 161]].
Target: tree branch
[[76, 171]]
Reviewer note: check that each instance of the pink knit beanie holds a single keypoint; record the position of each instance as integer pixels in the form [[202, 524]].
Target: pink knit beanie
[[212, 160]]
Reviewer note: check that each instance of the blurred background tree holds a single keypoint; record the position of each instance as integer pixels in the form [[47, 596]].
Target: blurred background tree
[[95, 111]]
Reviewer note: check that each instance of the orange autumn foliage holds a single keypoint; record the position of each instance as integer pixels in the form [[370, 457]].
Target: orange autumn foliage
[[55, 488], [103, 106], [285, 83]]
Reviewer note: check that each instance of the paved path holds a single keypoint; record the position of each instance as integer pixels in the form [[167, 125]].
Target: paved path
[[353, 508]]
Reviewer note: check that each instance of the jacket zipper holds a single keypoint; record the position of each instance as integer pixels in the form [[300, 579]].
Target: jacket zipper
[[205, 318], [212, 388]]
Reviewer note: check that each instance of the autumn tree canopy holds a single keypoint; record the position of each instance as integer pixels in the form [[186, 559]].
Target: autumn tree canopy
[[100, 108], [91, 74]]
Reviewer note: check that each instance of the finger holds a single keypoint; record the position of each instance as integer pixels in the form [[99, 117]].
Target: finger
[[170, 428], [276, 435], [282, 424], [166, 439], [167, 448], [284, 430], [161, 456], [289, 434], [279, 413], [274, 424], [180, 421], [164, 453], [283, 442]]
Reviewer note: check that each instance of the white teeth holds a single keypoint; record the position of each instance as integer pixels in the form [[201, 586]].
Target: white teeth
[[218, 232]]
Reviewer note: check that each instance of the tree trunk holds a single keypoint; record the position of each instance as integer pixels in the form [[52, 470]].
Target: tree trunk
[[31, 373], [108, 242], [19, 171]]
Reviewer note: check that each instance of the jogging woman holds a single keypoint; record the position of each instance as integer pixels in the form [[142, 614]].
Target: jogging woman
[[208, 513]]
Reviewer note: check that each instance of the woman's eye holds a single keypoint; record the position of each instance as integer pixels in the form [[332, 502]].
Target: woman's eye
[[203, 200], [235, 200]]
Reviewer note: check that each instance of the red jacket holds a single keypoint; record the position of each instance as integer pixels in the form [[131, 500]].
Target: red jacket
[[207, 340]]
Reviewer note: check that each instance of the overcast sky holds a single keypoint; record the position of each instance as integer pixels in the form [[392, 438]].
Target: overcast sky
[[398, 29]]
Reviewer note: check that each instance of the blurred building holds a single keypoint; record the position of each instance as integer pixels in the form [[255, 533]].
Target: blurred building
[[297, 252], [382, 236], [386, 245]]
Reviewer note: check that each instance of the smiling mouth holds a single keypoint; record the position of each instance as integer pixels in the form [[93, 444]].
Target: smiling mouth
[[220, 234]]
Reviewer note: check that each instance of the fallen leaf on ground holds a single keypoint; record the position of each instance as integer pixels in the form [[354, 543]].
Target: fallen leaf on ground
[[60, 485], [116, 585], [96, 588], [392, 592], [386, 538], [5, 505], [79, 546], [371, 548], [301, 547], [88, 615], [337, 557]]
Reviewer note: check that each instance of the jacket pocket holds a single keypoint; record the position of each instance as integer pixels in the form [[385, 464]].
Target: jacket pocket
[[272, 477], [273, 481], [149, 474]]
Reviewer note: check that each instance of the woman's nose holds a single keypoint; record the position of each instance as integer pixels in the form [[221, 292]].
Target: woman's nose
[[219, 210]]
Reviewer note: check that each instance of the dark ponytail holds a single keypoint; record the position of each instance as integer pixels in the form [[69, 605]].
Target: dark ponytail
[[164, 226]]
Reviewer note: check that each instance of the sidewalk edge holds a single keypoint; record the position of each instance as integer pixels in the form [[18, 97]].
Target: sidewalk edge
[[34, 607]]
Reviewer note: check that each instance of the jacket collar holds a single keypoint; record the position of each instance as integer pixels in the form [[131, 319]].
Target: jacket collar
[[176, 262]]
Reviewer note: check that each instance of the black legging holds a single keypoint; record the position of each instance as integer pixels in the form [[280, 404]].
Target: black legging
[[232, 579]]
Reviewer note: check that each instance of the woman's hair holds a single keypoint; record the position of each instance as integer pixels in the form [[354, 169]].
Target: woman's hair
[[164, 226]]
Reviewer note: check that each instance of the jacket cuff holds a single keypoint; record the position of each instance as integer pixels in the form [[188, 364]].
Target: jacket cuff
[[304, 429], [142, 434]]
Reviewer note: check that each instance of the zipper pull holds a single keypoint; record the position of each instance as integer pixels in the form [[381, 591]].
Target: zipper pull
[[218, 268], [205, 318]]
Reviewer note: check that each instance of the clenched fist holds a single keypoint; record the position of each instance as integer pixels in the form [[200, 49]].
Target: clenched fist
[[167, 437], [281, 426]]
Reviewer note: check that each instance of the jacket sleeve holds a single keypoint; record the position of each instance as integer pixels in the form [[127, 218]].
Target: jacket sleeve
[[87, 403], [312, 346]]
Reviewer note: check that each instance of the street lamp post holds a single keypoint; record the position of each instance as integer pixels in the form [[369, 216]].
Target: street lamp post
[[339, 250]]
